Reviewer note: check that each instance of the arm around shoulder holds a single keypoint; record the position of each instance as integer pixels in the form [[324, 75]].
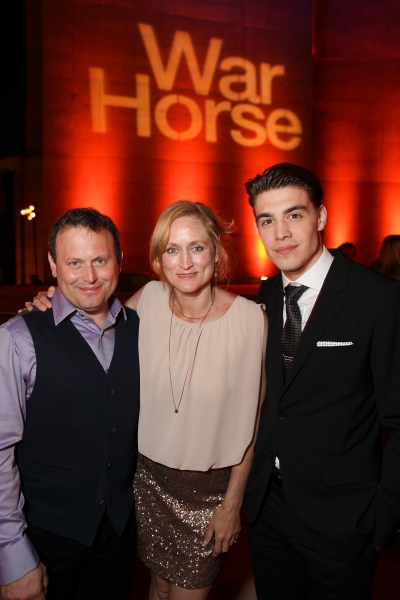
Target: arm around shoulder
[[133, 301]]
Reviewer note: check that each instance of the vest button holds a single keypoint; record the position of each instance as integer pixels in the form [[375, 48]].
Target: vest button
[[113, 430], [109, 465], [100, 501], [283, 415], [271, 456], [111, 391]]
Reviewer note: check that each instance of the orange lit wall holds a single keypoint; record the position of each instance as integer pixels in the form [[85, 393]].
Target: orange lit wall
[[356, 131], [149, 102]]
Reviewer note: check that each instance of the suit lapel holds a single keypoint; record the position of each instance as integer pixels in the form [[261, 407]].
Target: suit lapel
[[328, 304]]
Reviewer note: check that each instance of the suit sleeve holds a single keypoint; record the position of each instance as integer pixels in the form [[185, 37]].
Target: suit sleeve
[[261, 294], [385, 364]]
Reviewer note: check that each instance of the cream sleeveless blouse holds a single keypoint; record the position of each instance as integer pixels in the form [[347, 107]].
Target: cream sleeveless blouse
[[216, 418]]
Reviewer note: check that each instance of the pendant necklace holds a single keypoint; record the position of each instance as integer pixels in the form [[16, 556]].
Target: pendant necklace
[[176, 407], [193, 318]]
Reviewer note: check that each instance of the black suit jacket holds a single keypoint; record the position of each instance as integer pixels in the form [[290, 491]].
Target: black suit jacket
[[324, 421]]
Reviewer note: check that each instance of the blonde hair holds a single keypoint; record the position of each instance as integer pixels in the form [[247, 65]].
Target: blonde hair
[[220, 234]]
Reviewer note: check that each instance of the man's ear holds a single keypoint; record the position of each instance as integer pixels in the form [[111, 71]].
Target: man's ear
[[120, 262], [52, 265], [323, 217]]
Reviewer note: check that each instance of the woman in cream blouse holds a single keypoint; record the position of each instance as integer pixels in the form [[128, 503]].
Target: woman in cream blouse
[[201, 358]]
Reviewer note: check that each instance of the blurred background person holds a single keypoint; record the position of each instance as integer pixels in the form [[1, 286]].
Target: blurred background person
[[388, 262], [348, 250]]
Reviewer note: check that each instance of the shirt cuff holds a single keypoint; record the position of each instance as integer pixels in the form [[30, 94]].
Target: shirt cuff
[[16, 560]]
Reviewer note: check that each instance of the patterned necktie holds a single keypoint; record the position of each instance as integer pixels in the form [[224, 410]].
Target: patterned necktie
[[292, 330]]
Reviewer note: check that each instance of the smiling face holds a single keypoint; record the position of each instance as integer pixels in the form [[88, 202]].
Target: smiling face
[[87, 269], [189, 258], [290, 228]]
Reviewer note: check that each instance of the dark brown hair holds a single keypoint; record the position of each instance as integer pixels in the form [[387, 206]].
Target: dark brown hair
[[89, 218], [284, 175], [389, 258]]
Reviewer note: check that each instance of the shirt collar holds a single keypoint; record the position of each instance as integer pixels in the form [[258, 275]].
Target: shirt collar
[[315, 276], [63, 308]]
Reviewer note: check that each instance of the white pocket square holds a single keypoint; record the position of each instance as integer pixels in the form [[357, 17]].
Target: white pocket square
[[326, 344]]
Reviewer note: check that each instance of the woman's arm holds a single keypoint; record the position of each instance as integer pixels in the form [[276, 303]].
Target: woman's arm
[[225, 522], [133, 301]]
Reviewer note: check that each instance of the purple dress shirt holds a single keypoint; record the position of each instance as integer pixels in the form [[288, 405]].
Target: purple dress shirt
[[17, 379]]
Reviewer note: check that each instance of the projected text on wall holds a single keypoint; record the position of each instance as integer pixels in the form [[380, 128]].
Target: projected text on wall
[[246, 90]]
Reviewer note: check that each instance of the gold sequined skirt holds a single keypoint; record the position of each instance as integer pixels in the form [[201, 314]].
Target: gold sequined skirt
[[173, 511]]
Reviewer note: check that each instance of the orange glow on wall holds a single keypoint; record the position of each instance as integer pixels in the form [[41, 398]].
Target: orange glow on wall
[[264, 266], [147, 108], [98, 185], [357, 137], [184, 174], [341, 201], [391, 215], [262, 255]]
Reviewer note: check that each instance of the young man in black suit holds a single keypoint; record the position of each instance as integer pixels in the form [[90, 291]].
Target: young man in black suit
[[319, 501]]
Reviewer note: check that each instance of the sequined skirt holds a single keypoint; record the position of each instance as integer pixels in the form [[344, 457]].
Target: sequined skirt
[[173, 511]]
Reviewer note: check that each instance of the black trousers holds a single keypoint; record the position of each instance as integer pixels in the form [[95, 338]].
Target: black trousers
[[102, 571], [286, 569]]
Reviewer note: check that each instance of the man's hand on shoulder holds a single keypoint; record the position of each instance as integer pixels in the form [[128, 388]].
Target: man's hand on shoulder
[[32, 586]]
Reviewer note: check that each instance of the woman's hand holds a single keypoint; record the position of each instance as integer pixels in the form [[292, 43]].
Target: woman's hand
[[41, 301], [224, 527]]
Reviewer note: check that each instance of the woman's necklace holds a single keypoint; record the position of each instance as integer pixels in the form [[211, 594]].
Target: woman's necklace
[[195, 350], [186, 317]]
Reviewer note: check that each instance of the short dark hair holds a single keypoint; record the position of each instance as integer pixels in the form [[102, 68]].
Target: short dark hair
[[284, 175], [89, 218]]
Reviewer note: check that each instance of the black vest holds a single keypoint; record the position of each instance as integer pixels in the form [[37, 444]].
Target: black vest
[[78, 454]]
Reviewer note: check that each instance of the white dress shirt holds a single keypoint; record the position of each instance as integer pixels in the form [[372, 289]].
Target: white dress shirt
[[313, 279]]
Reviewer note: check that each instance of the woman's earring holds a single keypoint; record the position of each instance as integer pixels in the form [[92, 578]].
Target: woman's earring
[[215, 274]]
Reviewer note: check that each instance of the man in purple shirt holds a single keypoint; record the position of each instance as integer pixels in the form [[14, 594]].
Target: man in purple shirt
[[69, 406]]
